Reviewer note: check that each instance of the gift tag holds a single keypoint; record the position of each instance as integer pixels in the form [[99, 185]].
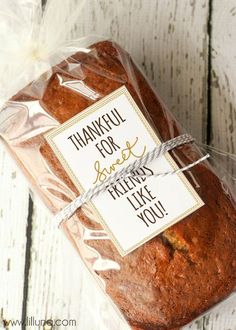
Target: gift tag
[[106, 137]]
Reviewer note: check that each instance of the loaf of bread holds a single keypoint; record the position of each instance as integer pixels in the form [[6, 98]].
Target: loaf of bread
[[174, 277]]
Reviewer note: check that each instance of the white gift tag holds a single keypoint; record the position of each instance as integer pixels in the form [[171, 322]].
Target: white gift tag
[[104, 138]]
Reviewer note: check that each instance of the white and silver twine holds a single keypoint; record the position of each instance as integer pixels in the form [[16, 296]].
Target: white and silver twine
[[126, 171]]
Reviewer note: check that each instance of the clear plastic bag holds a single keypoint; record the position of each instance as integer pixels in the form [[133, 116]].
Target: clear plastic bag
[[174, 277]]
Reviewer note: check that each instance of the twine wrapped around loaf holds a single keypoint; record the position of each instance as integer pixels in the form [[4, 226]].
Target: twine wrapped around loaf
[[126, 171]]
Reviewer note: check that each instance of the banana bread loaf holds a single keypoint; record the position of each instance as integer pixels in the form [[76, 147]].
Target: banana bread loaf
[[176, 276]]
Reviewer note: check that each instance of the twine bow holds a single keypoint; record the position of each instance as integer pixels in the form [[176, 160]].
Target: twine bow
[[126, 171]]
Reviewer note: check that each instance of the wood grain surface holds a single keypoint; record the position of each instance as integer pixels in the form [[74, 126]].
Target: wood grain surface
[[14, 204], [187, 48]]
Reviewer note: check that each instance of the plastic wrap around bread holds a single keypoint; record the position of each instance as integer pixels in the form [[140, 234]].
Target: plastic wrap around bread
[[176, 275]]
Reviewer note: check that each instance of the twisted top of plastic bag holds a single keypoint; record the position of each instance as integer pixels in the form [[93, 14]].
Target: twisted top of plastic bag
[[32, 40]]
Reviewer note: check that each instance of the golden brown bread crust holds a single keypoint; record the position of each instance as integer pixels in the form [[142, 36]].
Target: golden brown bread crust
[[178, 275]]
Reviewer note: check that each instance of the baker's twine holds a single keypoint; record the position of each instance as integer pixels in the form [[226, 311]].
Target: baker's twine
[[126, 171]]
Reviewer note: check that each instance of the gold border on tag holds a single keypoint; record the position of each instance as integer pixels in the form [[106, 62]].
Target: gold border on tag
[[122, 90]]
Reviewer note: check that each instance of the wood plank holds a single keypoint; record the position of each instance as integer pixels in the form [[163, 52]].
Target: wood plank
[[224, 75], [13, 223], [223, 114], [223, 117]]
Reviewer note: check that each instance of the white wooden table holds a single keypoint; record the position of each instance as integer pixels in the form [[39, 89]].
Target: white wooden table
[[187, 48]]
